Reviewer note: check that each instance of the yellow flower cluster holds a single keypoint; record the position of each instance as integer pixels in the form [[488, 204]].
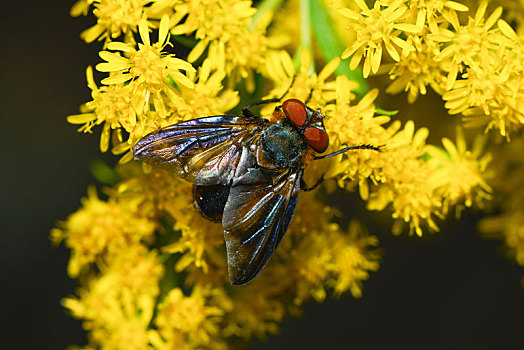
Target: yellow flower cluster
[[153, 272], [147, 89], [133, 286], [419, 180], [476, 65]]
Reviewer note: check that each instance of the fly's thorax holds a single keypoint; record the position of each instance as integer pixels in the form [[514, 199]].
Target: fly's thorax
[[282, 145]]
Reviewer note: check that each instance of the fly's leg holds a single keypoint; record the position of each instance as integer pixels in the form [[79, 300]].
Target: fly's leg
[[247, 113], [304, 187]]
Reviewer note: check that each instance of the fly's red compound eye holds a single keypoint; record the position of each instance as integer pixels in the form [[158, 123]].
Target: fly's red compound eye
[[295, 111], [317, 138]]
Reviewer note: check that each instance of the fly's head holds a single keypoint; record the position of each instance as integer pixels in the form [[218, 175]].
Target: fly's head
[[310, 122]]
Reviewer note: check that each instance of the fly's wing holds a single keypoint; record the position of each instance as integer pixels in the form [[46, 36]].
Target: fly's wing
[[205, 151], [256, 217]]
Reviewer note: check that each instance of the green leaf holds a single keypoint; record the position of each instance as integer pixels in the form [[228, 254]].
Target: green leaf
[[381, 111], [104, 173], [184, 40], [331, 45]]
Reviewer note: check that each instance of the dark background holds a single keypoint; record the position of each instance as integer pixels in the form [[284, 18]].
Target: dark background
[[452, 289]]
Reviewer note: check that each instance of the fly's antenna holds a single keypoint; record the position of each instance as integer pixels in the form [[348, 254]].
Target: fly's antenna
[[309, 97], [345, 149], [289, 88]]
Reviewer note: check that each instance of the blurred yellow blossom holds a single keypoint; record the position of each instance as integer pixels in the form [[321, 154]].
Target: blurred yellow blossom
[[101, 229], [508, 224], [189, 322], [118, 303]]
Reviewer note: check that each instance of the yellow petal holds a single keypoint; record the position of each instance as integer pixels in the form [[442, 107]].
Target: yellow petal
[[116, 79], [368, 99], [481, 11], [112, 57], [119, 46], [421, 17], [329, 69], [506, 29], [90, 34], [456, 6], [349, 14], [182, 65], [163, 30], [450, 147], [111, 67], [406, 27], [104, 138], [376, 57], [287, 64], [397, 13], [362, 5], [81, 118], [402, 44], [143, 30], [493, 18], [350, 50], [182, 79], [90, 79], [355, 60], [452, 77], [198, 50], [391, 50]]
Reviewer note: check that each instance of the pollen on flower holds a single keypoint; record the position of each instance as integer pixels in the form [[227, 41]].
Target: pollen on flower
[[114, 17]]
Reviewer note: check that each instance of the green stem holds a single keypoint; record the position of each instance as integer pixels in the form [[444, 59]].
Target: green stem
[[305, 35], [331, 45]]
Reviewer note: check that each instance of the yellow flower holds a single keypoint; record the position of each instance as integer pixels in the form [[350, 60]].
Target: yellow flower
[[114, 17], [190, 321], [101, 229], [404, 176], [330, 258], [147, 90], [377, 27], [492, 60], [117, 305], [223, 27], [508, 227], [417, 69], [110, 105], [200, 242], [147, 70], [461, 174]]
